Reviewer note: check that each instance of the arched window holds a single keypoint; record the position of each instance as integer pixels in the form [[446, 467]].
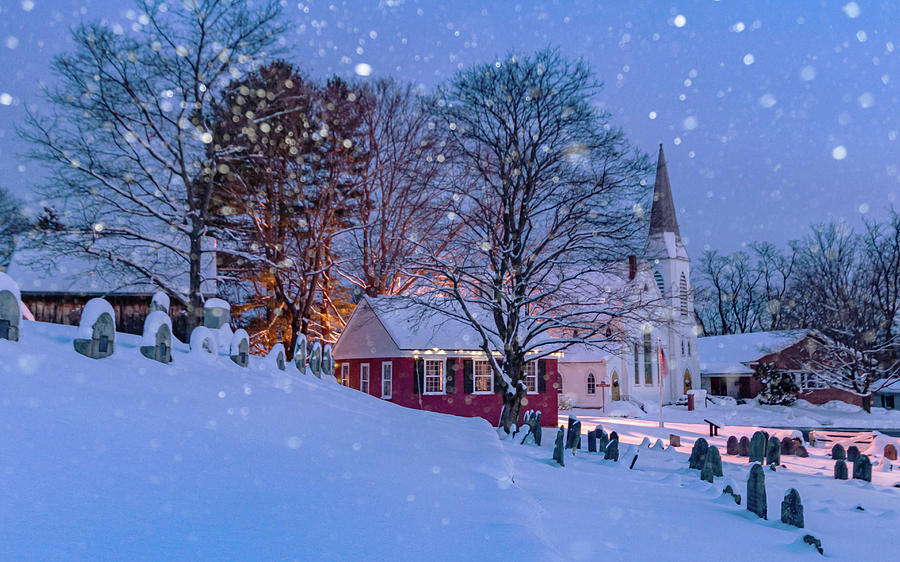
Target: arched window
[[660, 283], [683, 289], [591, 384]]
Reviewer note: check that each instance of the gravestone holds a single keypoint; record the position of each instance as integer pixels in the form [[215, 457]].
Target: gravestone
[[327, 361], [852, 453], [744, 447], [160, 302], [758, 446], [712, 466], [300, 352], [571, 432], [787, 446], [612, 448], [559, 447], [645, 442], [698, 454], [216, 313], [315, 359], [592, 442], [756, 491], [890, 452], [674, 440], [862, 468], [801, 451], [773, 452], [731, 446], [96, 333], [730, 491], [276, 356], [658, 446], [613, 435], [533, 421], [10, 308], [602, 439], [203, 341], [840, 470], [814, 542], [792, 509], [239, 350], [837, 452], [156, 343]]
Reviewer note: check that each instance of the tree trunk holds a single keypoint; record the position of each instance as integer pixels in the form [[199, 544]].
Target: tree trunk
[[195, 301], [512, 406], [867, 403]]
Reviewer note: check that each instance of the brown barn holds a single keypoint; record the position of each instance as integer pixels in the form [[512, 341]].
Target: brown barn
[[727, 364]]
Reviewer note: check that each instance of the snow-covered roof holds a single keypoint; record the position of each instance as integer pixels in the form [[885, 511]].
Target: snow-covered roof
[[886, 386], [413, 325], [582, 353], [731, 354]]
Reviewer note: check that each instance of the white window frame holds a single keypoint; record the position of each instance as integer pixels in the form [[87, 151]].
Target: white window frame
[[591, 384], [426, 377], [531, 372], [475, 376], [809, 381], [389, 379], [364, 380], [345, 374]]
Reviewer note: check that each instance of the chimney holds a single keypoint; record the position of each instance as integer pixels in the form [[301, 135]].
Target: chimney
[[632, 267]]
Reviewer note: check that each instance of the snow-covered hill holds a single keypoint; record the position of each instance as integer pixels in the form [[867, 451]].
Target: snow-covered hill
[[127, 458]]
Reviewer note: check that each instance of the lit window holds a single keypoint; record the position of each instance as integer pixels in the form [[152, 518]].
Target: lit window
[[591, 384], [345, 374], [387, 380], [364, 378], [434, 377], [482, 376], [531, 377]]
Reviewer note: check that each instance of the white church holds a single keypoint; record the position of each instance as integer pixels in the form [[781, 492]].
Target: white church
[[594, 378]]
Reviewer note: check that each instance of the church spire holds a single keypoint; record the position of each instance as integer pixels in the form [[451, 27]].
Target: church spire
[[662, 213]]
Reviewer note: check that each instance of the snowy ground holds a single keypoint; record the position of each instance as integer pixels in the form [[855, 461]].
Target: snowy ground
[[127, 458]]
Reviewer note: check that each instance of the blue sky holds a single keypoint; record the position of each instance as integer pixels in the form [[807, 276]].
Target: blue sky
[[774, 115]]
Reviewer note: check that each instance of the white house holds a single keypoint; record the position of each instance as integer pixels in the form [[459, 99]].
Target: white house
[[631, 370]]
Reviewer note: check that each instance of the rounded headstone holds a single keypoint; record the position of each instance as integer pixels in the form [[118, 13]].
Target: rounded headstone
[[698, 454], [712, 465], [801, 451], [300, 353], [10, 308], [792, 509], [852, 453], [239, 350], [890, 452], [758, 446], [744, 447], [773, 452], [840, 470], [731, 446], [837, 452], [862, 468], [756, 491], [787, 446]]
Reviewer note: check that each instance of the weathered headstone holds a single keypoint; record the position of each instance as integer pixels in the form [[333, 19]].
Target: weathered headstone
[[276, 356], [698, 454], [730, 491], [852, 453], [658, 446], [814, 542], [573, 439], [712, 465], [533, 421], [731, 446], [160, 302], [890, 452], [203, 341], [327, 361], [156, 343], [559, 447], [840, 470], [612, 448], [787, 446], [792, 509], [758, 447], [645, 443], [315, 359], [862, 468], [10, 308], [613, 435], [216, 313], [96, 333], [756, 491], [744, 447], [602, 439], [801, 451], [570, 434], [773, 452], [837, 452], [674, 440], [239, 350], [300, 353], [592, 442]]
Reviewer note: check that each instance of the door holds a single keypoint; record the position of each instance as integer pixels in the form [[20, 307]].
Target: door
[[615, 387], [687, 381]]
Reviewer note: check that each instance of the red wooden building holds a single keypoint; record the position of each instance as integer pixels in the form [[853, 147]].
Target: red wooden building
[[418, 358]]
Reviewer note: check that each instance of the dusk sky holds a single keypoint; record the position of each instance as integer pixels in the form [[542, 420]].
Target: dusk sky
[[773, 115]]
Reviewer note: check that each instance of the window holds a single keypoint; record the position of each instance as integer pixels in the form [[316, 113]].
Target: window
[[559, 380], [387, 379], [682, 347], [364, 378], [345, 374], [482, 377], [683, 290], [648, 359], [637, 364], [689, 348], [531, 377], [434, 377], [591, 384], [809, 381], [660, 283]]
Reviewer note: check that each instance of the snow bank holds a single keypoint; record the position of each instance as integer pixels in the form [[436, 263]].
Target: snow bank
[[89, 316], [154, 321]]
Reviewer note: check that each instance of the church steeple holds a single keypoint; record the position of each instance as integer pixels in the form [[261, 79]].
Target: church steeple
[[662, 213]]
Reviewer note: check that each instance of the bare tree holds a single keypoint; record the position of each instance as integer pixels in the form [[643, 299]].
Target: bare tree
[[13, 224], [129, 141], [544, 202], [775, 268], [881, 248], [729, 299]]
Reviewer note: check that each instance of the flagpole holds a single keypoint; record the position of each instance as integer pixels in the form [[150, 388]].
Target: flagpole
[[659, 377]]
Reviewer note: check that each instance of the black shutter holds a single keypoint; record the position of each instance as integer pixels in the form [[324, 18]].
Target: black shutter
[[468, 376], [542, 376], [499, 386], [419, 376], [449, 377]]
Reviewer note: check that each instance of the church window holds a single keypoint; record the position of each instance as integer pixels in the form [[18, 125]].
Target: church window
[[683, 289], [591, 384], [660, 283], [637, 364], [682, 347], [648, 359]]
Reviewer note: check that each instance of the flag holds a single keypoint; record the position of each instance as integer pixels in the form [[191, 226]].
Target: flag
[[663, 369]]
